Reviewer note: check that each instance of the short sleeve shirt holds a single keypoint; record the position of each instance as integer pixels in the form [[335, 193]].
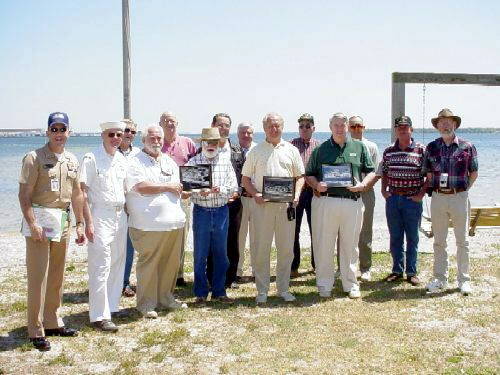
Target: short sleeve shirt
[[353, 152], [52, 178], [181, 149], [265, 159]]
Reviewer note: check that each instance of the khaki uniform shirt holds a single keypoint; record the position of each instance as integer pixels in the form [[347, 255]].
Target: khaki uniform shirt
[[282, 160], [52, 179]]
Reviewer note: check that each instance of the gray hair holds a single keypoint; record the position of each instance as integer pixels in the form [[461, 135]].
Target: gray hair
[[151, 127], [245, 125], [273, 114], [353, 117], [339, 115], [169, 114]]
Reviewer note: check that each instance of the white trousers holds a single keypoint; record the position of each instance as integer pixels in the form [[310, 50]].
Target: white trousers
[[106, 262], [246, 202], [331, 216], [270, 220], [443, 208]]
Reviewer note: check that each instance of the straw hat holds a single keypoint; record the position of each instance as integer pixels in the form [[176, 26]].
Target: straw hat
[[209, 134], [446, 113]]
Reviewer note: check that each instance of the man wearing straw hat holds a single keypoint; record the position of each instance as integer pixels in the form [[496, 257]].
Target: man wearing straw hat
[[211, 219], [452, 167], [102, 178]]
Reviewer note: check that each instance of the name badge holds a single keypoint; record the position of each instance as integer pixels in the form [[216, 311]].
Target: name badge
[[54, 184], [352, 154], [443, 180]]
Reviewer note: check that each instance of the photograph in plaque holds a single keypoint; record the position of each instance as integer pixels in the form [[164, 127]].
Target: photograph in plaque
[[278, 189], [196, 177], [338, 175]]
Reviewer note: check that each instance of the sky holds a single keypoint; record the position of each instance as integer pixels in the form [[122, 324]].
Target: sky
[[246, 58]]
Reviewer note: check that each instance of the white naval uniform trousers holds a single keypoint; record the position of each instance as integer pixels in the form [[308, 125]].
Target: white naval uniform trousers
[[331, 215], [104, 177]]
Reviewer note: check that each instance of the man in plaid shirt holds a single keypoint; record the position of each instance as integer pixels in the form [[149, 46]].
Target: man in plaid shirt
[[451, 166], [211, 219]]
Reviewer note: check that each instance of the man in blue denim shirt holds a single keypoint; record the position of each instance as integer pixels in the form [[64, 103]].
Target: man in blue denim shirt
[[403, 188]]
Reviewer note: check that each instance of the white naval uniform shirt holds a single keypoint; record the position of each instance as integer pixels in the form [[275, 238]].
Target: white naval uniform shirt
[[104, 175]]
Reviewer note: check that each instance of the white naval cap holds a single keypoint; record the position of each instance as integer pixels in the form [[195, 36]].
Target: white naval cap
[[112, 125]]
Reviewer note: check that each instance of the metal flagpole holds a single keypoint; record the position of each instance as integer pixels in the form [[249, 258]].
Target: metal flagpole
[[126, 58]]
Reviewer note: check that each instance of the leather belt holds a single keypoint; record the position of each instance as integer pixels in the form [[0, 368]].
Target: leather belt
[[402, 194], [449, 191], [330, 195]]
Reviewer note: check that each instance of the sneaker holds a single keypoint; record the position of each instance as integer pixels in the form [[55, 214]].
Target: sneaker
[[365, 276], [436, 286], [465, 288], [336, 275], [105, 325], [287, 297], [223, 299], [323, 293], [150, 314], [261, 298], [354, 293]]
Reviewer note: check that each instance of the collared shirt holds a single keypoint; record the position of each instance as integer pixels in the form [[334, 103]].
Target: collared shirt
[[403, 168], [329, 152], [458, 159], [305, 148], [265, 159], [52, 178], [181, 149], [246, 150], [130, 152], [223, 177], [104, 176], [153, 212]]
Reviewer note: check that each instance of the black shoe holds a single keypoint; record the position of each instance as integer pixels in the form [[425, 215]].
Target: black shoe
[[61, 331], [240, 280], [180, 282], [105, 326], [40, 343]]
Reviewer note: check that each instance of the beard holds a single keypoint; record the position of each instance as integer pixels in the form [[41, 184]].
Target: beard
[[210, 154]]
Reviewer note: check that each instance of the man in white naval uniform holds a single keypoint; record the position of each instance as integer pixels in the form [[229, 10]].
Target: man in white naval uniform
[[102, 177]]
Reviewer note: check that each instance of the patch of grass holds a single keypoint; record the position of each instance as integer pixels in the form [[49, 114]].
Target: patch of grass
[[70, 268], [158, 357], [349, 343], [7, 309], [26, 347], [179, 316], [470, 371], [62, 360], [224, 368], [157, 337], [127, 366]]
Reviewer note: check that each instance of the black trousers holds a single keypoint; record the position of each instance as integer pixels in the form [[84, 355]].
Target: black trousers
[[304, 205], [233, 252]]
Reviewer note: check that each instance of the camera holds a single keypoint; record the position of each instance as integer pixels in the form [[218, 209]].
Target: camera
[[290, 212]]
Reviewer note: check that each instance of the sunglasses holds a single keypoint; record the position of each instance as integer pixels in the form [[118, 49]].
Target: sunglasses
[[306, 126], [356, 126], [127, 130], [62, 129], [112, 135]]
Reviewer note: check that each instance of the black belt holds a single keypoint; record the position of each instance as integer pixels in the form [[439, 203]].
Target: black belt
[[353, 197], [449, 191]]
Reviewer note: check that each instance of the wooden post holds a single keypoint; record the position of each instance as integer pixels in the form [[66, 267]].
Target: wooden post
[[398, 104], [126, 58]]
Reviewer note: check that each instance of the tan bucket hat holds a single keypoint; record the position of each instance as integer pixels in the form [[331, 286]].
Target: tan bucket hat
[[209, 134], [446, 113]]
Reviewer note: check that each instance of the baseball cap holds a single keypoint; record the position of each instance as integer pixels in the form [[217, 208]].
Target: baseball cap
[[306, 117], [58, 118], [402, 120]]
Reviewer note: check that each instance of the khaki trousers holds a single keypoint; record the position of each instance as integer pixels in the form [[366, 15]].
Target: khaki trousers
[[443, 208], [246, 203], [333, 217], [157, 265], [186, 207], [270, 220], [45, 268], [366, 234]]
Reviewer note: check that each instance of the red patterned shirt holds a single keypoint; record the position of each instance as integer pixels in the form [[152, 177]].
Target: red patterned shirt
[[305, 148]]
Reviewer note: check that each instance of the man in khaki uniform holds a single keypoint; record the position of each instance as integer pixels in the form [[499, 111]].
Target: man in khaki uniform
[[49, 178]]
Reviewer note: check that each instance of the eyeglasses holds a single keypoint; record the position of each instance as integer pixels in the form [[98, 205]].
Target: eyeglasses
[[62, 129], [112, 135], [127, 130], [306, 126], [356, 126]]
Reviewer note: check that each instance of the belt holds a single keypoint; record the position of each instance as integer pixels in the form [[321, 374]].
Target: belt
[[449, 191], [330, 195], [402, 194], [245, 194]]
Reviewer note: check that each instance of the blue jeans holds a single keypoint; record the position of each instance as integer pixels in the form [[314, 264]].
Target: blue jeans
[[403, 219], [128, 262], [210, 236]]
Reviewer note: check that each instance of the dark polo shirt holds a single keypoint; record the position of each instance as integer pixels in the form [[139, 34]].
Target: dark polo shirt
[[330, 153]]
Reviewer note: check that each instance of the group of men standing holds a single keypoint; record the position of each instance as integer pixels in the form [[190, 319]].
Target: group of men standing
[[158, 211]]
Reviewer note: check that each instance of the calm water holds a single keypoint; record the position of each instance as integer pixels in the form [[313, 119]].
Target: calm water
[[485, 192]]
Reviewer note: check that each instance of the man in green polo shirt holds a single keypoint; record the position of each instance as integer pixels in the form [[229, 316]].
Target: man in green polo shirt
[[334, 171]]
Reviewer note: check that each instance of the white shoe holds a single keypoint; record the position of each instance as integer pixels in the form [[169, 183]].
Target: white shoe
[[354, 293], [151, 314], [365, 276], [176, 305], [436, 286], [261, 298], [465, 288], [323, 293], [336, 275], [287, 297]]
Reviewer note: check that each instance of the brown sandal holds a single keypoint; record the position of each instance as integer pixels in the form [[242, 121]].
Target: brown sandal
[[393, 277]]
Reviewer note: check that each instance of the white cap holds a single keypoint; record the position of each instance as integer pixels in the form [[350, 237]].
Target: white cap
[[113, 125]]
